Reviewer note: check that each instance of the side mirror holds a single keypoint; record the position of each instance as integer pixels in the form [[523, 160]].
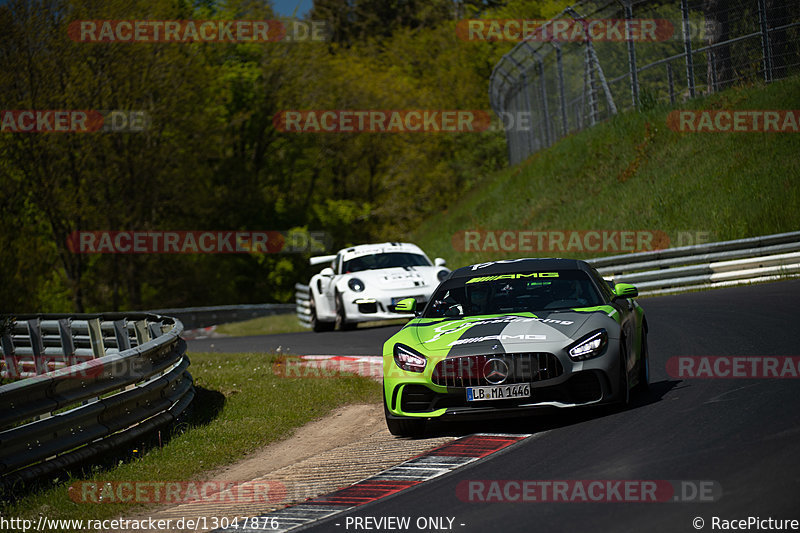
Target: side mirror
[[327, 272], [408, 305], [625, 290], [439, 262]]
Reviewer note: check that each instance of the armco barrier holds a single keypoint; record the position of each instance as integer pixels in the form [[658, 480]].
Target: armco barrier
[[716, 264], [200, 317], [89, 383], [303, 304]]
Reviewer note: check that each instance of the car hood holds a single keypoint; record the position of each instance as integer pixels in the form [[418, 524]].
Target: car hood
[[519, 332], [392, 278]]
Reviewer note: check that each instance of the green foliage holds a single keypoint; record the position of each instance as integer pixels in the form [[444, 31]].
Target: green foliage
[[634, 173]]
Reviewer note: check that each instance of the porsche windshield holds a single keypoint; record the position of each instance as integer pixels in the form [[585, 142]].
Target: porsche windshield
[[513, 293], [387, 260]]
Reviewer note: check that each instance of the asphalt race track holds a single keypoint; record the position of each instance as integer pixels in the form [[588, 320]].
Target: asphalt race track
[[741, 434]]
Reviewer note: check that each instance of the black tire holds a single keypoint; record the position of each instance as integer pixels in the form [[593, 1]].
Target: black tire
[[623, 385], [316, 324], [341, 316], [403, 428], [644, 366]]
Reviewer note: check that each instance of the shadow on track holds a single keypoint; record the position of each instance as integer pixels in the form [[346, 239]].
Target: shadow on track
[[548, 418]]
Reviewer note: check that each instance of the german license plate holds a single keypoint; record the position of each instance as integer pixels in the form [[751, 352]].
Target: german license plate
[[498, 392]]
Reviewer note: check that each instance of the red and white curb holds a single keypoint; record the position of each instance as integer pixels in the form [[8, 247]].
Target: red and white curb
[[422, 468]]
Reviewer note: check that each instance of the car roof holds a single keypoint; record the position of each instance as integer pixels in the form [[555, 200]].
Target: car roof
[[379, 248], [520, 265]]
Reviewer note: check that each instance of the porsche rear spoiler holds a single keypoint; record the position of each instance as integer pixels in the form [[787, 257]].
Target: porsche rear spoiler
[[321, 259]]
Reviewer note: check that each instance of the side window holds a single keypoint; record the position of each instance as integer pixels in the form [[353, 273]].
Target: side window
[[605, 288]]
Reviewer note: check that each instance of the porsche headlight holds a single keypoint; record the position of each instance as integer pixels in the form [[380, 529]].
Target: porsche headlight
[[442, 274], [409, 359], [355, 284], [589, 346]]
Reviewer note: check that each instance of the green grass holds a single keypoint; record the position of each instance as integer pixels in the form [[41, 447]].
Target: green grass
[[634, 173], [265, 325], [240, 406], [286, 323]]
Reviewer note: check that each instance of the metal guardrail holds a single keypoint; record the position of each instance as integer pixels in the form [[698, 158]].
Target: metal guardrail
[[89, 384], [303, 304], [200, 317], [716, 264]]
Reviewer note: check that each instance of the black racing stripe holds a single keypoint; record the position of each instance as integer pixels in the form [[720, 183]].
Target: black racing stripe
[[484, 346]]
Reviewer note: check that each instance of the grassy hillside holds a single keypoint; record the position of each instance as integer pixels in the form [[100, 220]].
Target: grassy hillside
[[634, 173]]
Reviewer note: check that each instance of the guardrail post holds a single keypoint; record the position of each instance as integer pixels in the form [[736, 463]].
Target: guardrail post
[[96, 338], [37, 346], [12, 361], [142, 335], [121, 333], [67, 342]]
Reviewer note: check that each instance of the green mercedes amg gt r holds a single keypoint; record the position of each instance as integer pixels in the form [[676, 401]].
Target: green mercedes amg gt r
[[509, 337]]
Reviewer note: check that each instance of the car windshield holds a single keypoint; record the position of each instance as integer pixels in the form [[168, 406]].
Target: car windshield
[[387, 260], [513, 293]]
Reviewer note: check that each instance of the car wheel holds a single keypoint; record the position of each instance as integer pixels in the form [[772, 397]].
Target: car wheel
[[341, 316], [403, 428], [644, 366], [316, 324], [623, 385]]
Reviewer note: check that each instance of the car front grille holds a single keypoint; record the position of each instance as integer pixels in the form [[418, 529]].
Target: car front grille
[[469, 370]]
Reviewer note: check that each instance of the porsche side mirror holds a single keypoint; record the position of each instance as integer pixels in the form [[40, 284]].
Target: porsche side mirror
[[439, 262], [625, 290], [327, 272], [408, 305]]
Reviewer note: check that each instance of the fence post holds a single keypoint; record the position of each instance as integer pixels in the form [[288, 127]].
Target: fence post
[[671, 84], [588, 81], [766, 48], [548, 140], [631, 55], [529, 134], [561, 96], [687, 47]]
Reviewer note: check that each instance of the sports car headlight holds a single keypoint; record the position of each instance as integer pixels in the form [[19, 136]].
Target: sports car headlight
[[409, 359], [355, 284], [589, 346], [442, 274]]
